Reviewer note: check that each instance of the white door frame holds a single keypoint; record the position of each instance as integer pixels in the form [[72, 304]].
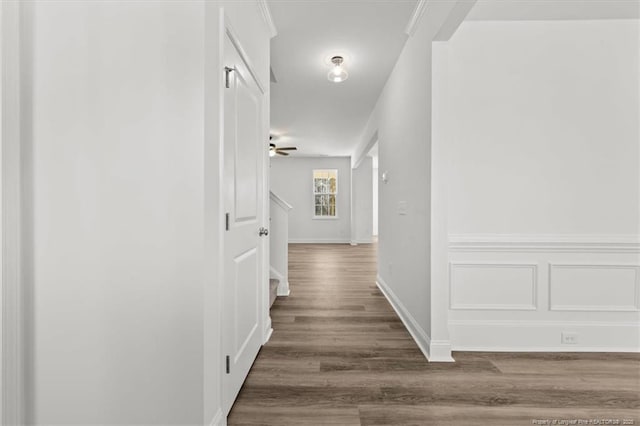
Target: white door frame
[[11, 309]]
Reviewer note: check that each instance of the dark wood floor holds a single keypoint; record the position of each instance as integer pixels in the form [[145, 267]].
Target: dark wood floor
[[339, 355]]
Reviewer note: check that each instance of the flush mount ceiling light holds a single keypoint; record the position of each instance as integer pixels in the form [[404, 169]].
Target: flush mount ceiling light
[[337, 73]]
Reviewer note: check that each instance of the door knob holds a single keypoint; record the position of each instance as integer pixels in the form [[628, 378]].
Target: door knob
[[263, 231]]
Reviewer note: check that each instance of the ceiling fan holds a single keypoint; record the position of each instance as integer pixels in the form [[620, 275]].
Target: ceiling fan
[[273, 149]]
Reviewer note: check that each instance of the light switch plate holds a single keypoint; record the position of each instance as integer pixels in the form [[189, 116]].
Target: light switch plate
[[402, 208]]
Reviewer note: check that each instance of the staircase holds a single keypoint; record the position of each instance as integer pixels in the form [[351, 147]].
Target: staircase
[[278, 247]]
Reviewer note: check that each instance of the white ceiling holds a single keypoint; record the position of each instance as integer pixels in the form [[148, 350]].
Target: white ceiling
[[307, 110], [324, 118], [525, 10]]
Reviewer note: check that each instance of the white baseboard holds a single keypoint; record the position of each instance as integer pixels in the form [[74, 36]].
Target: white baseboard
[[440, 351], [319, 241], [434, 351], [219, 419], [283, 289], [268, 330], [283, 285], [365, 241], [544, 336]]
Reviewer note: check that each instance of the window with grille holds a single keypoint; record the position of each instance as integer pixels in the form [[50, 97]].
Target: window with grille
[[325, 191]]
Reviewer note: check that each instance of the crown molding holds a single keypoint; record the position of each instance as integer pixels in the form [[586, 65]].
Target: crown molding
[[266, 15], [415, 17]]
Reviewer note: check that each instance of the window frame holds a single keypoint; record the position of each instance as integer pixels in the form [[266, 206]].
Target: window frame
[[314, 193]]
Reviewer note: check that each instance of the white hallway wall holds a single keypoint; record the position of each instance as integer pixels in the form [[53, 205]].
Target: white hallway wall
[[362, 202], [540, 125], [401, 124], [292, 180], [120, 138]]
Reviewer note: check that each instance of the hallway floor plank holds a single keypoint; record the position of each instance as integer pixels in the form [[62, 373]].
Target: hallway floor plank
[[339, 355]]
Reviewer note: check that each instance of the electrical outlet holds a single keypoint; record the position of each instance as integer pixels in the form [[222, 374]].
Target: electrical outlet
[[569, 338]]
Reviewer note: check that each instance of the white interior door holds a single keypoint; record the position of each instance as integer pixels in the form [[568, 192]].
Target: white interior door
[[244, 147]]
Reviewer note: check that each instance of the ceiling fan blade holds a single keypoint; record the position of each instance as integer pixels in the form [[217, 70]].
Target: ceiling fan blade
[[288, 148], [281, 153]]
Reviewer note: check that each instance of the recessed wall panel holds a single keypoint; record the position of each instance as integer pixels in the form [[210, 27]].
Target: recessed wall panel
[[493, 286]]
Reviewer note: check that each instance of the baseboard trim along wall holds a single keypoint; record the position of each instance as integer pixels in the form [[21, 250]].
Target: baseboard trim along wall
[[268, 330], [319, 241], [365, 241], [283, 289], [545, 336], [434, 351]]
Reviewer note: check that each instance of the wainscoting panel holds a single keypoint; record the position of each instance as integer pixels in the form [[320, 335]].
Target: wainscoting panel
[[544, 293], [594, 287], [493, 286]]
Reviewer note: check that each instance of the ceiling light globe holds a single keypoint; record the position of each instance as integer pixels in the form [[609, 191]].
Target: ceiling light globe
[[339, 76]]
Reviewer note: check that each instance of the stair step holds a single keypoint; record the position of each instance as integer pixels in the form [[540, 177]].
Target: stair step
[[273, 290]]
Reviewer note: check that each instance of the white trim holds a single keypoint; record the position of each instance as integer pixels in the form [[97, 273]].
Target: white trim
[[283, 284], [415, 18], [314, 193], [516, 323], [268, 330], [268, 19], [218, 419], [544, 336], [361, 241], [218, 204], [279, 201], [600, 308], [561, 243], [534, 286], [12, 399], [569, 349], [283, 289], [273, 273], [355, 161], [319, 241], [235, 40], [439, 352]]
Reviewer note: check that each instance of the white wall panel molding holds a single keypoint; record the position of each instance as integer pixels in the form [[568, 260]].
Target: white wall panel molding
[[493, 286], [434, 351], [544, 243], [594, 287]]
